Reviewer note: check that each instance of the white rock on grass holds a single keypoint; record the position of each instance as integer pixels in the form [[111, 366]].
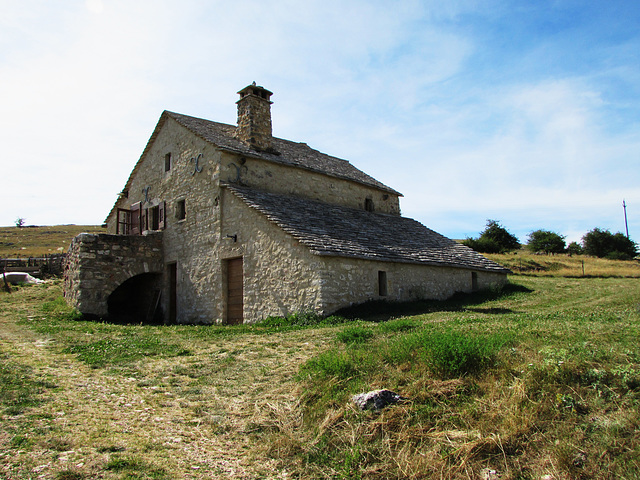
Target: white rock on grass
[[376, 399]]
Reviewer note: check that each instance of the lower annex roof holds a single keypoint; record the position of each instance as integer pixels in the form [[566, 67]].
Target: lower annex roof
[[334, 230]]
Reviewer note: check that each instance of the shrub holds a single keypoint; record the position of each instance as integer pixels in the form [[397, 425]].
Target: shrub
[[574, 248], [482, 245], [546, 241], [602, 243], [494, 239]]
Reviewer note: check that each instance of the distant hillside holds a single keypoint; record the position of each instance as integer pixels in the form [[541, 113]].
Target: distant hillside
[[38, 241]]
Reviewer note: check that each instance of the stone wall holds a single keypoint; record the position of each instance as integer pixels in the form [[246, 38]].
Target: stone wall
[[276, 178], [191, 243], [280, 276], [98, 263], [347, 281]]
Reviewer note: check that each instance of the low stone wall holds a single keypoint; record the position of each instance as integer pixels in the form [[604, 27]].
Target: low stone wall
[[98, 263]]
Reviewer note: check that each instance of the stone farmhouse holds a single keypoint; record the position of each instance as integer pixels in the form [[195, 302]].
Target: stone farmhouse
[[229, 224]]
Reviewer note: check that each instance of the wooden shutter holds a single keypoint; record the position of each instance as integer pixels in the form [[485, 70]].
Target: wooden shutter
[[136, 218], [123, 221], [162, 211]]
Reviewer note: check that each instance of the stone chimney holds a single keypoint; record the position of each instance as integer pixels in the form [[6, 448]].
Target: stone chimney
[[254, 117]]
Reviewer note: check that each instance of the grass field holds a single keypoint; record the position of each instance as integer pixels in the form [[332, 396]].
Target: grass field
[[539, 380], [40, 241]]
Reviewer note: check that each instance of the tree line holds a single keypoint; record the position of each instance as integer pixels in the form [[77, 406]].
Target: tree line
[[597, 242]]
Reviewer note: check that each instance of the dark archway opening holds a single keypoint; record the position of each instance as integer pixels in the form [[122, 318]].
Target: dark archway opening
[[137, 300]]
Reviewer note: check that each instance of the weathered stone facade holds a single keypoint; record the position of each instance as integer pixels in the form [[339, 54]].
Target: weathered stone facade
[[312, 231]]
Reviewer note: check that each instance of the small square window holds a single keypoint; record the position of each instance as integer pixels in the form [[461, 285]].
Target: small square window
[[181, 210], [167, 162]]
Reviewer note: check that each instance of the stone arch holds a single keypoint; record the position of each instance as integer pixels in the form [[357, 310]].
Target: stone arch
[[137, 300], [98, 265]]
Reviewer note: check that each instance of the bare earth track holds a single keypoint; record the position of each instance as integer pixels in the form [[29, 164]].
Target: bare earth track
[[192, 418]]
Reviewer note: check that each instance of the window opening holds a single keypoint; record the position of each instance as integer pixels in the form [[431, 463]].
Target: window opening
[[368, 205], [153, 220], [382, 283], [474, 281], [167, 162], [181, 210]]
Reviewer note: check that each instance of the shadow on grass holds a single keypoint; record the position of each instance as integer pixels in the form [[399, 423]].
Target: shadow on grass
[[382, 310]]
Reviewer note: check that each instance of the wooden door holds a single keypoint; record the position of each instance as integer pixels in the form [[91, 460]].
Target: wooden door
[[234, 291]]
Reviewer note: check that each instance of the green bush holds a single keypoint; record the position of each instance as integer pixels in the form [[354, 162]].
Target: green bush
[[494, 239], [574, 248], [546, 242], [604, 244]]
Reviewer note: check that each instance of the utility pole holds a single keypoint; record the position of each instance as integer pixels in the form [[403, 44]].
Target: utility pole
[[626, 226]]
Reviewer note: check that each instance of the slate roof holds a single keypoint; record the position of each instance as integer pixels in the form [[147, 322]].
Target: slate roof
[[334, 230], [298, 155], [295, 154]]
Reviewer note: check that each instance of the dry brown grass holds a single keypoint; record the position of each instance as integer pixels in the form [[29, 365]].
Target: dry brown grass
[[562, 265], [40, 241]]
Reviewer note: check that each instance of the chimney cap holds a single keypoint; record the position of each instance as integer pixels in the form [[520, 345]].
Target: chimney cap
[[256, 90]]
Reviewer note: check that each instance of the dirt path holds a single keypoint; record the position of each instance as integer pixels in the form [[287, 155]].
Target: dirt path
[[193, 417]]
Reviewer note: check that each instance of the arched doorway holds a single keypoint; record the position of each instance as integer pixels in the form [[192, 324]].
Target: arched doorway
[[137, 300]]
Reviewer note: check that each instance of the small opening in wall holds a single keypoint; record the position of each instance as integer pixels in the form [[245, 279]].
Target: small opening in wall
[[474, 281], [167, 162], [382, 283], [181, 210], [368, 205]]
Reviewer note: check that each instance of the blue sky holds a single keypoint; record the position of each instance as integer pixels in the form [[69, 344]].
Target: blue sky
[[523, 112]]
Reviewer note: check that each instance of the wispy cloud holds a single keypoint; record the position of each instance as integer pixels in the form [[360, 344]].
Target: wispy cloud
[[525, 113]]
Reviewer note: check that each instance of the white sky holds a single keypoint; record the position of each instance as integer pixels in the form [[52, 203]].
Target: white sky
[[523, 112]]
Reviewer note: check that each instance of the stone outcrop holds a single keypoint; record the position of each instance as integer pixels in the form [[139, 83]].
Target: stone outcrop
[[376, 399]]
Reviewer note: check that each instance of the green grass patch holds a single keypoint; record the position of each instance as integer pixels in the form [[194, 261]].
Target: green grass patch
[[135, 468], [452, 354], [548, 368], [19, 388], [355, 334], [304, 319], [125, 349]]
